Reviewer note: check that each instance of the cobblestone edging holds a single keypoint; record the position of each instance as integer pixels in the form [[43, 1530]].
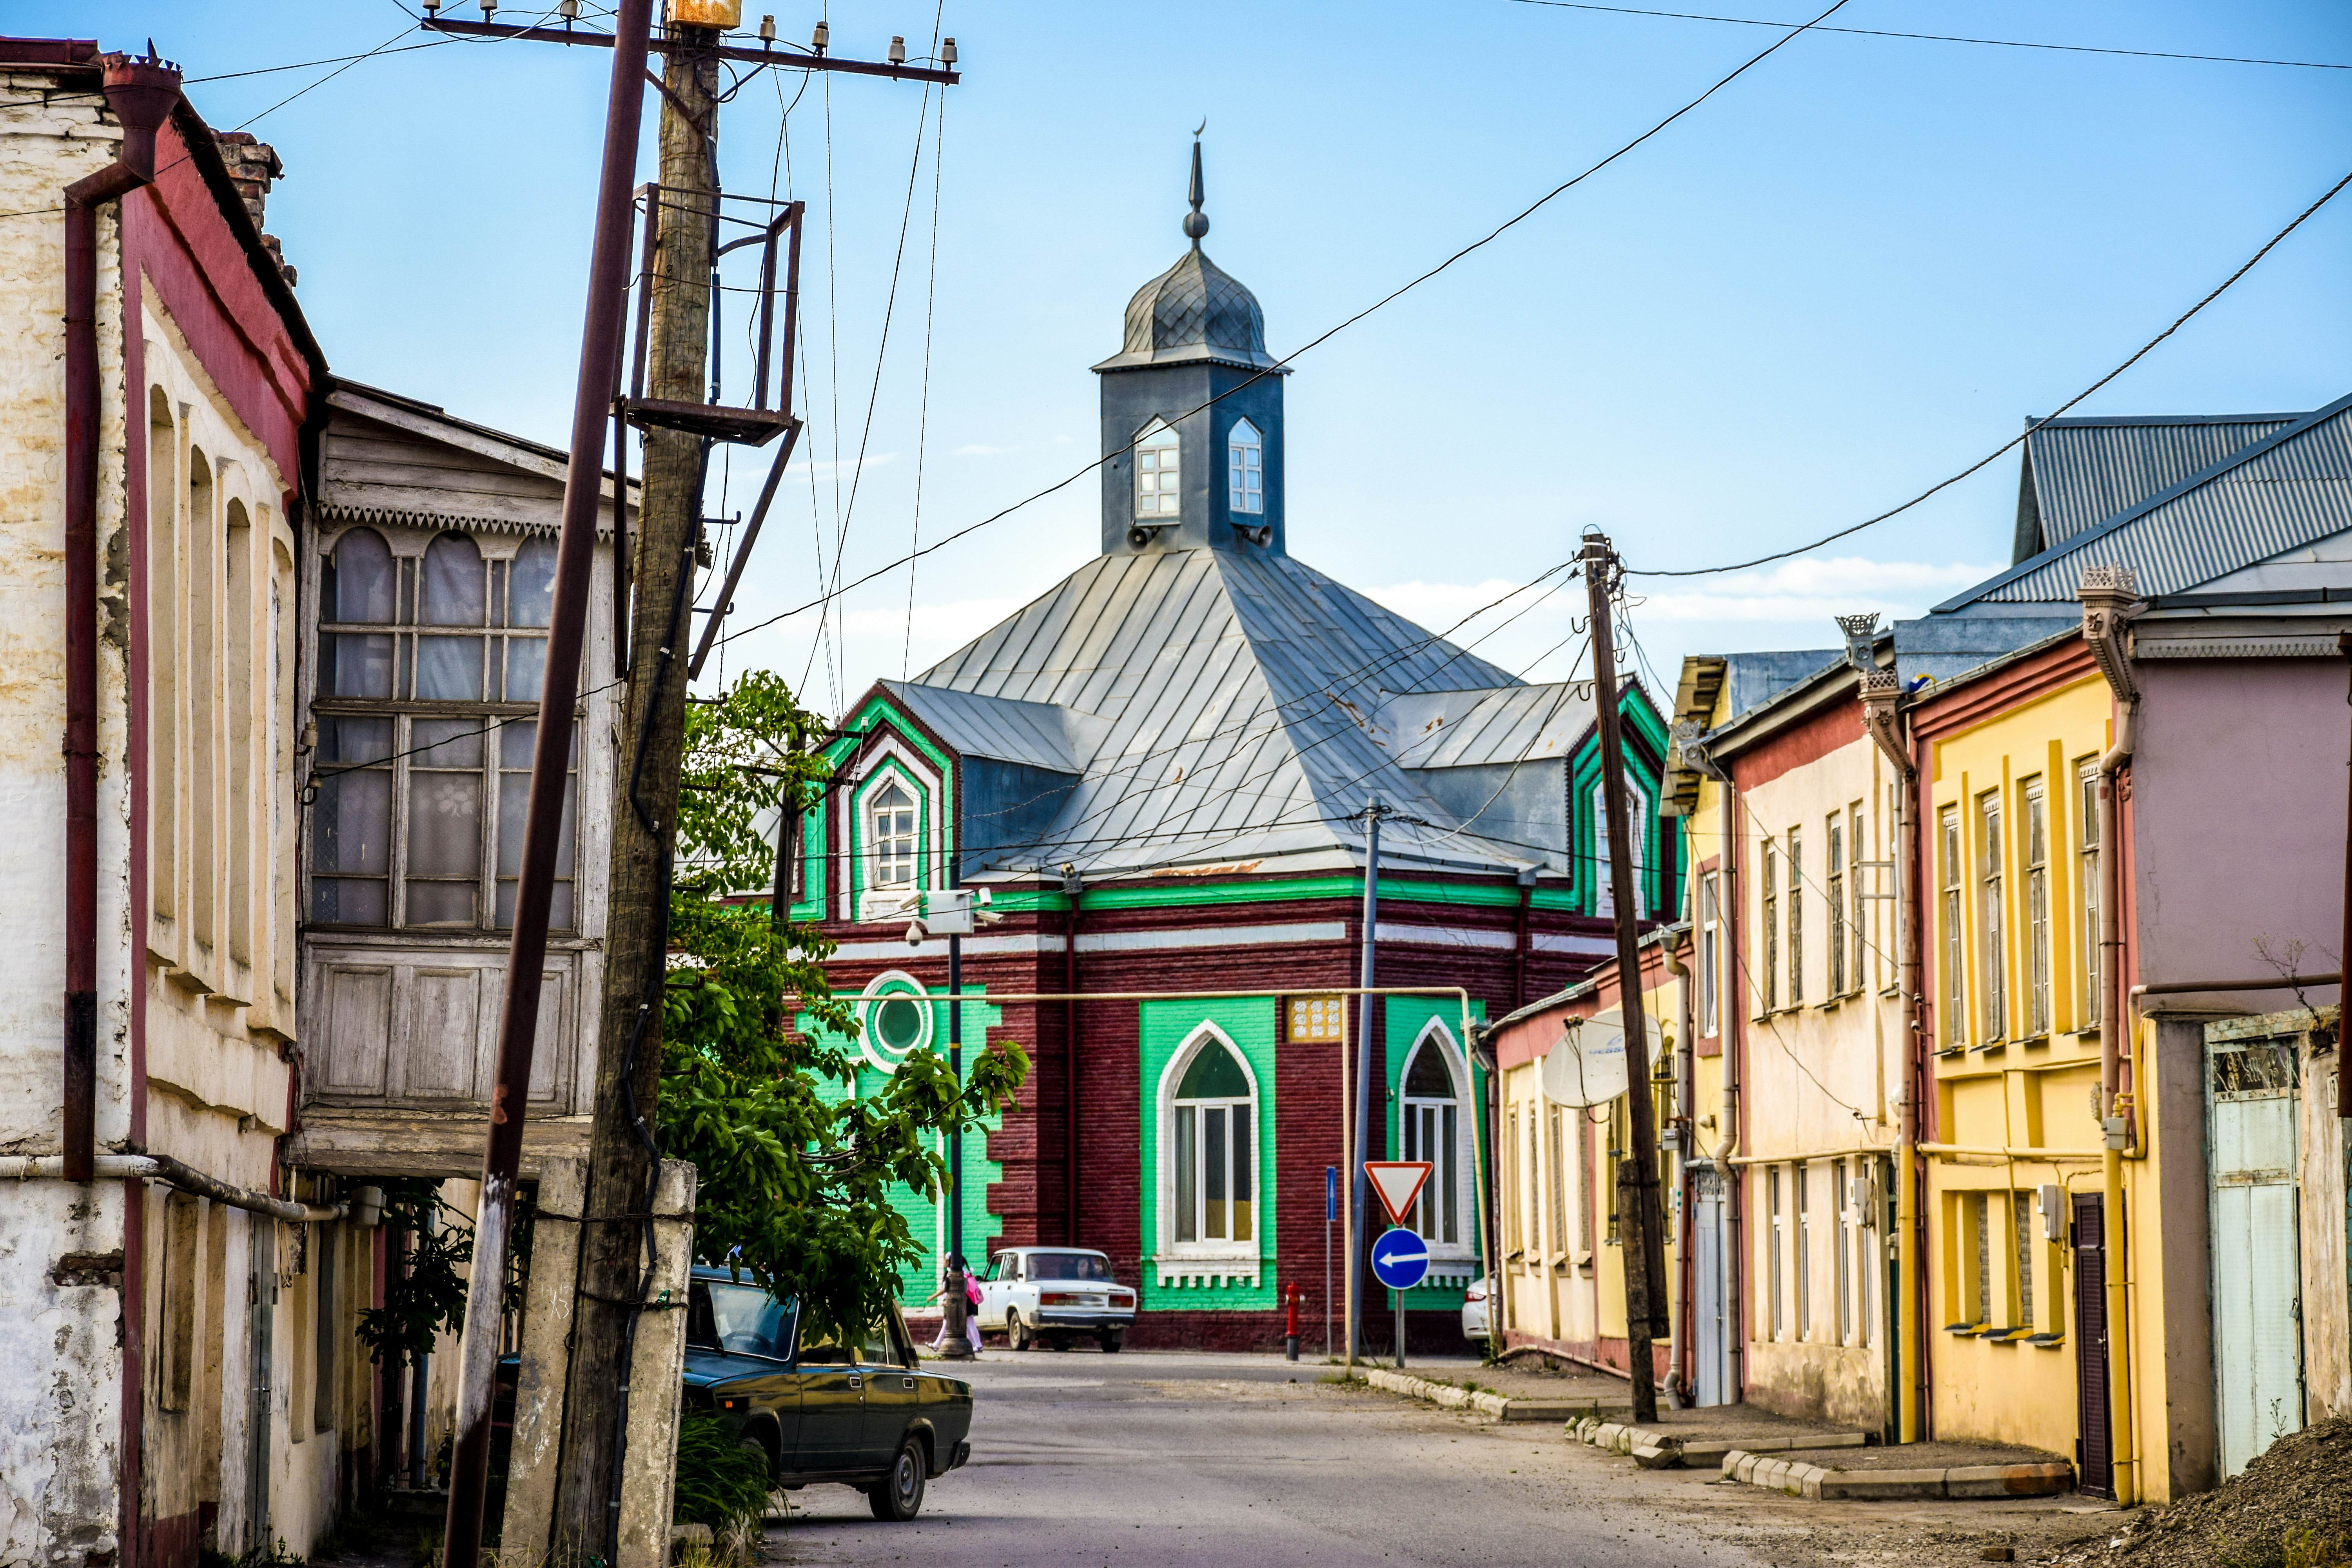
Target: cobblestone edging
[[1657, 1450], [1799, 1480], [1500, 1406]]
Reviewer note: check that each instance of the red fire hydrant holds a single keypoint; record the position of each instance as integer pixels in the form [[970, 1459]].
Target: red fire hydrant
[[1291, 1295]]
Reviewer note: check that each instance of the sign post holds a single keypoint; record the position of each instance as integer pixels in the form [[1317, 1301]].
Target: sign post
[[1330, 1218], [1400, 1258]]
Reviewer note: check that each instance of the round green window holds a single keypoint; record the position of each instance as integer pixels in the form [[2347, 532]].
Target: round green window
[[898, 1023]]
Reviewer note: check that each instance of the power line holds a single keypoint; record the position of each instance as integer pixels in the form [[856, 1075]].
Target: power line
[[2140, 354], [1384, 301], [1942, 38]]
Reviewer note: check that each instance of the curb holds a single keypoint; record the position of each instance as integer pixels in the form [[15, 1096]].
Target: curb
[[1656, 1450], [1499, 1406], [1960, 1481]]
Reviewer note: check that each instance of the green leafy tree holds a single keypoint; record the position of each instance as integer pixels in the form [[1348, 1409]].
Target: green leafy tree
[[794, 1167]]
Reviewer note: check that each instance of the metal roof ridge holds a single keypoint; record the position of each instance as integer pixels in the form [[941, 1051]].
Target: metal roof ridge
[[2246, 453]]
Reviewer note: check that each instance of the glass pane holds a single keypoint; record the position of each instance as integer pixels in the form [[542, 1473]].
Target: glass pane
[[444, 825], [347, 741], [1213, 1159], [345, 901], [518, 736], [352, 826], [514, 809], [359, 578], [559, 906], [1443, 1178], [1188, 1194], [358, 665], [446, 742], [526, 668], [440, 903], [1432, 1077], [449, 668], [532, 595], [452, 593], [1243, 1149], [1214, 1075]]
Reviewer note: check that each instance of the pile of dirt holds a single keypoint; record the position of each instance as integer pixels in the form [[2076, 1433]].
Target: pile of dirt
[[2291, 1509]]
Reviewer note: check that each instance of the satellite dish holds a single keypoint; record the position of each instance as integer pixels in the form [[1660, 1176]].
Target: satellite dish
[[1588, 1067]]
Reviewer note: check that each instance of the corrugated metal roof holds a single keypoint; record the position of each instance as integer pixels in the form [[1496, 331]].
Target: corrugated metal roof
[[2080, 472], [1231, 703], [1476, 729], [2285, 490], [1035, 733]]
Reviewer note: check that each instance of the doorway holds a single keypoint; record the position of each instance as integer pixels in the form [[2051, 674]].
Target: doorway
[[2095, 1453], [1711, 1288], [2251, 1094]]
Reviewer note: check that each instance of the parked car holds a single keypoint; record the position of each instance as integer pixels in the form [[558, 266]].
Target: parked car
[[860, 1413], [1473, 1309], [1053, 1293]]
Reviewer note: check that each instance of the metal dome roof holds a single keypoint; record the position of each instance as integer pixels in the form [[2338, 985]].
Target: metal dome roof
[[1195, 311]]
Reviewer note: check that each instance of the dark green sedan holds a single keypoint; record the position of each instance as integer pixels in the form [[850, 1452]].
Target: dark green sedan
[[863, 1414]]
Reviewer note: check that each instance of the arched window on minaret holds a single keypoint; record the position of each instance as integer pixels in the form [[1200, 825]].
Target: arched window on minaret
[[1158, 466], [1246, 469]]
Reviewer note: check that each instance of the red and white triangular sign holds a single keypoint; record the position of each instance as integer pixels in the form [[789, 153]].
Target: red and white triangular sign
[[1398, 1182]]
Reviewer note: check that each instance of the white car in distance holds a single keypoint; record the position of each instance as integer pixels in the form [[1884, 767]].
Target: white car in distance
[[1053, 1293]]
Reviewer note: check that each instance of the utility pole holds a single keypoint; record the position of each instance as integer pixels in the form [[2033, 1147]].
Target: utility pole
[[1637, 1177], [1357, 1181], [621, 1158]]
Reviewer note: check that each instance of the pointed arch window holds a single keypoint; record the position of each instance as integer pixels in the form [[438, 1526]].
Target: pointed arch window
[[1211, 1131], [890, 835], [1245, 468], [1434, 1121], [1159, 465]]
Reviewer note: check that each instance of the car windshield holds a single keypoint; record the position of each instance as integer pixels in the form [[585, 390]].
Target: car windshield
[[743, 1319], [1069, 1265]]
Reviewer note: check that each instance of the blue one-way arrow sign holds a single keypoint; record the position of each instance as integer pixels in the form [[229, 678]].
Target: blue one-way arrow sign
[[1400, 1259]]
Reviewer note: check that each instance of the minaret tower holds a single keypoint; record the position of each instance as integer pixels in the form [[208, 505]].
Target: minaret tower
[[1200, 400]]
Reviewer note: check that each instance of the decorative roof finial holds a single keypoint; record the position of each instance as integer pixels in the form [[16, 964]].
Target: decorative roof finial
[[1196, 222]]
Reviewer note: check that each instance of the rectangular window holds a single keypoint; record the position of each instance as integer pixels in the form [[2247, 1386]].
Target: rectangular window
[[2087, 774], [183, 1216], [1841, 1218], [1856, 894], [1796, 920], [2021, 1208], [1559, 1179], [1534, 1187], [1215, 1149], [1609, 1178], [1836, 885], [2037, 910], [1804, 1252], [1772, 890], [1318, 1020], [1584, 1180], [1775, 1241], [1948, 874], [1983, 1204], [1710, 956], [1993, 934]]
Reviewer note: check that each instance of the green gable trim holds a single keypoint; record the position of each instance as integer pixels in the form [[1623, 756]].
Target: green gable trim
[[1165, 1028], [879, 710], [814, 892], [888, 769], [1351, 885], [926, 1217], [1405, 1018]]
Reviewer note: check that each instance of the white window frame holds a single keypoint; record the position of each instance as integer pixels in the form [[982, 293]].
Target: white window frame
[[1246, 469], [1834, 843], [2089, 889], [1795, 918], [1710, 954], [1158, 487], [888, 985], [1223, 1261], [1951, 866], [1993, 916], [2037, 908], [1465, 1243], [879, 838]]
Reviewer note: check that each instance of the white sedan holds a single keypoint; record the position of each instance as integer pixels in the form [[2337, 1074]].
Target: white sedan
[[1053, 1293], [1473, 1309]]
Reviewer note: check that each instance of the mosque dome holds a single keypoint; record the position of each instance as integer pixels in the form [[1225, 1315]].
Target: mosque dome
[[1195, 311]]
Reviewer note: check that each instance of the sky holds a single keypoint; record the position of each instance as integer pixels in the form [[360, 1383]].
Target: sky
[[1852, 272]]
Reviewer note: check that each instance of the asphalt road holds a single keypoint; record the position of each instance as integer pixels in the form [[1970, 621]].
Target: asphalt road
[[1081, 1458]]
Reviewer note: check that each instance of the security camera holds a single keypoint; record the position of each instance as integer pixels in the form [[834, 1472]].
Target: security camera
[[916, 931]]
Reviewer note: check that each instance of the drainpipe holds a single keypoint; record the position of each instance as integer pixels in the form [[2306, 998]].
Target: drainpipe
[[1076, 891], [1882, 692], [2109, 595], [140, 93], [173, 1173], [1685, 1112]]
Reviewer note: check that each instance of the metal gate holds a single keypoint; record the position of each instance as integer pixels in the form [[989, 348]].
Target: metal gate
[[2093, 1449], [1710, 1263], [2250, 1109]]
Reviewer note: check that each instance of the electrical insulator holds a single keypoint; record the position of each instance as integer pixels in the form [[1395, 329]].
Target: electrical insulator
[[433, 7], [824, 36], [767, 29], [947, 51], [569, 10], [897, 51], [489, 10]]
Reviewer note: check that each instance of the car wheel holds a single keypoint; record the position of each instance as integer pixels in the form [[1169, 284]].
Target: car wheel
[[1016, 1332], [1111, 1340], [900, 1497], [753, 1445]]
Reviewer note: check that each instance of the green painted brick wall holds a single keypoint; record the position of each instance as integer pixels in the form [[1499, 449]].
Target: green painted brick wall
[[1164, 1029]]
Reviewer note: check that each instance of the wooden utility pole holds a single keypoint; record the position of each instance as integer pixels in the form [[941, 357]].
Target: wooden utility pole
[[612, 1255], [1644, 1223]]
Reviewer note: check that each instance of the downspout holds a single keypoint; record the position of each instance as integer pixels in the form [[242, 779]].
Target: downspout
[[1685, 1089], [139, 93], [1882, 692], [1075, 890], [187, 1179], [2109, 595]]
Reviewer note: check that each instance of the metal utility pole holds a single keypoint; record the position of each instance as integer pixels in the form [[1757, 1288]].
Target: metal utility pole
[[1637, 1177], [955, 1066], [1357, 1181], [599, 359], [621, 1158]]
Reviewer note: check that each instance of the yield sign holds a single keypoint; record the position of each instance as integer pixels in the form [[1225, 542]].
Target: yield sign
[[1398, 1181]]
